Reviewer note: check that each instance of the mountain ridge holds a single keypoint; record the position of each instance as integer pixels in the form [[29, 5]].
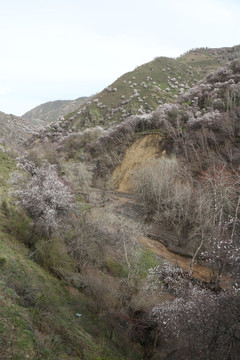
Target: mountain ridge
[[50, 111], [149, 85], [142, 90]]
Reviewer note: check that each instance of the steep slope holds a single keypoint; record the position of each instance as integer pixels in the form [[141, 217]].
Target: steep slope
[[142, 90], [137, 92], [50, 111], [200, 132], [14, 130], [42, 316], [145, 88], [209, 109], [38, 313]]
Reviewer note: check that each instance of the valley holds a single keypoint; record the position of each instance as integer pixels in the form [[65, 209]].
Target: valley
[[120, 218]]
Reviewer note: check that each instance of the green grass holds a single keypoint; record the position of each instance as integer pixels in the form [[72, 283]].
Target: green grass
[[115, 268], [148, 260], [38, 311]]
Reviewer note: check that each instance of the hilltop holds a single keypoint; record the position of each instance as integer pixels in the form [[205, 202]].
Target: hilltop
[[15, 130], [205, 60]]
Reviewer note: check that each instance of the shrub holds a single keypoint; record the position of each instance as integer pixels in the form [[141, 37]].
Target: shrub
[[73, 143], [53, 256], [17, 223]]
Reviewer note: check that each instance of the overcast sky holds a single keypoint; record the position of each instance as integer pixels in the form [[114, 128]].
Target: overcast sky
[[64, 49]]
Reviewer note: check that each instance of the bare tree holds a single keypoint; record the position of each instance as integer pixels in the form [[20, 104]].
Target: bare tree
[[166, 188], [80, 177]]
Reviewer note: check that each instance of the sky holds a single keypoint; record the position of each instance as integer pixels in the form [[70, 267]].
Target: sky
[[64, 49]]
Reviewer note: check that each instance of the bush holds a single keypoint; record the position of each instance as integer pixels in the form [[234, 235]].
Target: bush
[[17, 223], [73, 143], [52, 255]]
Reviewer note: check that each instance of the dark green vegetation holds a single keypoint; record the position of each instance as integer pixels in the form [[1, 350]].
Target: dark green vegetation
[[38, 314], [84, 288]]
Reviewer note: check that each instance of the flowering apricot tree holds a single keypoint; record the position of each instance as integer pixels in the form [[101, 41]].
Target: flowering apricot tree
[[42, 193]]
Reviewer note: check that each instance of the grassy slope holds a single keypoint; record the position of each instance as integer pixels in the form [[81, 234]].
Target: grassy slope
[[157, 75], [154, 74], [37, 311], [206, 60]]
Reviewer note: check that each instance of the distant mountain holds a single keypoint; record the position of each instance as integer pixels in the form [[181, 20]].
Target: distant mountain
[[50, 111], [14, 130]]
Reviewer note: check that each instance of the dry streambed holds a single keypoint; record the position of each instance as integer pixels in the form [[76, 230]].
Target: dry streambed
[[120, 202]]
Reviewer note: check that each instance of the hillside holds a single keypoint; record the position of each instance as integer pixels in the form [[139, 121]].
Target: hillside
[[142, 90], [145, 88], [14, 130], [205, 60], [50, 111], [44, 315], [127, 234], [186, 187], [201, 130]]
